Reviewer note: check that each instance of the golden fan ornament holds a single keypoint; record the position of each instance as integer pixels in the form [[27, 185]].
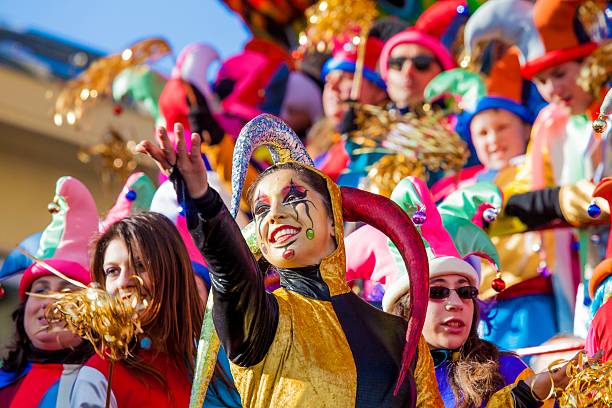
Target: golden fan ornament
[[386, 173], [427, 139], [96, 81]]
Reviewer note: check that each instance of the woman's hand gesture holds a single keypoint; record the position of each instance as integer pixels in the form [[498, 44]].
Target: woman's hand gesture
[[190, 164]]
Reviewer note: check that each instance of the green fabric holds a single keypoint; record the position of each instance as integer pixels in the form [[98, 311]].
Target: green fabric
[[52, 235], [145, 190], [141, 84], [466, 85], [465, 201], [469, 238]]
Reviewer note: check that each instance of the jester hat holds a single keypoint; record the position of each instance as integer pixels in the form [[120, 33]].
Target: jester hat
[[348, 204], [453, 237], [135, 197], [64, 243], [547, 33], [191, 68]]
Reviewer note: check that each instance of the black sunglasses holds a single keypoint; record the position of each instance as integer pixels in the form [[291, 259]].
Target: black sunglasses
[[442, 292], [420, 62]]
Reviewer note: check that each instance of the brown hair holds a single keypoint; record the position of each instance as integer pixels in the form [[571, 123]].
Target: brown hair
[[317, 182], [175, 316], [475, 376]]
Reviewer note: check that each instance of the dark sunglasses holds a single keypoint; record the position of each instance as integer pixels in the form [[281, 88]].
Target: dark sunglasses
[[420, 62], [441, 292]]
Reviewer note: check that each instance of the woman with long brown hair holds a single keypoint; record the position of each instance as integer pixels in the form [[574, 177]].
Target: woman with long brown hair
[[144, 253]]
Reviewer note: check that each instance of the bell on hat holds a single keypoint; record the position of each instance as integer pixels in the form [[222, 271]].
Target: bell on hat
[[135, 197]]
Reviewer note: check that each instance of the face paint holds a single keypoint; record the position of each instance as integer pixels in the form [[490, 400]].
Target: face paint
[[288, 253], [287, 211]]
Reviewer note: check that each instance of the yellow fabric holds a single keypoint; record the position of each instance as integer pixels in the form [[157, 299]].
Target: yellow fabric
[[428, 392], [220, 158], [518, 180], [298, 370], [516, 269]]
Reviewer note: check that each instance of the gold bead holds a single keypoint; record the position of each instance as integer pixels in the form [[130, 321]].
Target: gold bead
[[53, 207], [599, 124]]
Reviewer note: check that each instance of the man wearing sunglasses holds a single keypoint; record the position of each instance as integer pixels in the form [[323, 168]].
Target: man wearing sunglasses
[[409, 60]]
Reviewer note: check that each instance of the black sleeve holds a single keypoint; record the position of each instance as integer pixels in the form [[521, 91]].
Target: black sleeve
[[244, 314], [523, 397], [536, 208]]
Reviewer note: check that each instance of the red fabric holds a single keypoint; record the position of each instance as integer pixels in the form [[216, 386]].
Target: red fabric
[[35, 384], [369, 257], [71, 269], [336, 161], [535, 286], [556, 57], [437, 18], [448, 184], [386, 216], [173, 104], [600, 333], [135, 390], [348, 52]]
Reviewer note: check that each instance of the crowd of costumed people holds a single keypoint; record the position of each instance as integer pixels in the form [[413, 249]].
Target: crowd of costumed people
[[378, 204]]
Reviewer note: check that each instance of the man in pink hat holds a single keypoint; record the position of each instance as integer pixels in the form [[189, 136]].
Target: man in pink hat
[[412, 58]]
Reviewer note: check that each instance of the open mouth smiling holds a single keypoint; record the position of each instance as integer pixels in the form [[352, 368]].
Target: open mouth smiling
[[283, 233]]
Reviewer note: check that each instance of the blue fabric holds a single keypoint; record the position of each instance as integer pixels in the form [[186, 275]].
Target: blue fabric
[[202, 272], [524, 321], [494, 102], [219, 394], [49, 400], [510, 366], [17, 262], [8, 377], [348, 66]]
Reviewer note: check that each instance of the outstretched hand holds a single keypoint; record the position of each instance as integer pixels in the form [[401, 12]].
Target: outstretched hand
[[190, 164]]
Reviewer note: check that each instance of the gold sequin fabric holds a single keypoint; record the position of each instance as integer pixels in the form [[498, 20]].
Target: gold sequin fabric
[[299, 370]]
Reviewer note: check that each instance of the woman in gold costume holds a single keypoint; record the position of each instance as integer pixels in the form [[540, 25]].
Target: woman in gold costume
[[312, 342]]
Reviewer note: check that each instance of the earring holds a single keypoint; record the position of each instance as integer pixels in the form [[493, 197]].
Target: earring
[[310, 233]]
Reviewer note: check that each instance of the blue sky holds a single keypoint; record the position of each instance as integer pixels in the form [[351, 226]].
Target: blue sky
[[111, 25]]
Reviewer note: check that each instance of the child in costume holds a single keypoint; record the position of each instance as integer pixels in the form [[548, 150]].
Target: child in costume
[[312, 342], [499, 124], [145, 253], [470, 371], [564, 154], [42, 363]]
